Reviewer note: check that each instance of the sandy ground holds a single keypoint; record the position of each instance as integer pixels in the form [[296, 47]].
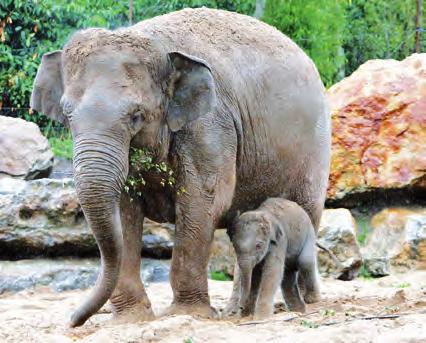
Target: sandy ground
[[344, 315]]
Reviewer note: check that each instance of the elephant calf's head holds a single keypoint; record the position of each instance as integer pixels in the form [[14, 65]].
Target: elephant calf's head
[[113, 89]]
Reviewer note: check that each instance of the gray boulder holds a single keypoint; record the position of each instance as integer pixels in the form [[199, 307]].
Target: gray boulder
[[337, 233], [43, 218], [67, 274], [24, 152], [397, 242]]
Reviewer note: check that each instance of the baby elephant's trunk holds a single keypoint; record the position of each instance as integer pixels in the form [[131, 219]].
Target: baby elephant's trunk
[[246, 269]]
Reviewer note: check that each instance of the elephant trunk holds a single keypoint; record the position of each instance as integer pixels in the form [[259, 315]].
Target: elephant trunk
[[100, 167], [246, 270]]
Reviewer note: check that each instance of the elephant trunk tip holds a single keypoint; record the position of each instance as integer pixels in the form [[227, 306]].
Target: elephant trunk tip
[[78, 318]]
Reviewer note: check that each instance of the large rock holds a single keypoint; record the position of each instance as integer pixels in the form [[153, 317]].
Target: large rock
[[397, 242], [379, 127], [337, 233], [66, 274], [24, 152], [43, 217], [158, 239], [222, 255]]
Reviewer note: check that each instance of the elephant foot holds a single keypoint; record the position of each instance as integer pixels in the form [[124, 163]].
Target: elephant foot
[[204, 311], [296, 307], [262, 315], [231, 311], [131, 304], [312, 297]]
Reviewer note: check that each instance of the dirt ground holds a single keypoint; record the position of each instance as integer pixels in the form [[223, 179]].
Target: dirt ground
[[391, 309]]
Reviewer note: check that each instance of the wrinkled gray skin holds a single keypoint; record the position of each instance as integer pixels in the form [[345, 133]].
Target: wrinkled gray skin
[[233, 106], [274, 244]]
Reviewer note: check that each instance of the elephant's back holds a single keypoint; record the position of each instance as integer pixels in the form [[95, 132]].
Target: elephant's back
[[214, 33]]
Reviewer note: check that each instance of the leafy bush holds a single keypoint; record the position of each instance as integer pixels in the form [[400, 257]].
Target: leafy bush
[[26, 33], [315, 25], [219, 276], [378, 29]]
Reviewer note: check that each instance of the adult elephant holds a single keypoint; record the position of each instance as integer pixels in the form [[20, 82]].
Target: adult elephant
[[235, 108]]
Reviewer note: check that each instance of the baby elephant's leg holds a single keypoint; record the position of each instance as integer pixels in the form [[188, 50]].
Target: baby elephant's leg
[[308, 269], [272, 274], [254, 291], [291, 292]]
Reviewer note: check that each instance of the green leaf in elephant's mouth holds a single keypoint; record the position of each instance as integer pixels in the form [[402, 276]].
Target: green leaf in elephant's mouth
[[142, 161]]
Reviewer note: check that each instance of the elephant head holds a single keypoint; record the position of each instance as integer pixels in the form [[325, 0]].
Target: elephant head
[[251, 237], [115, 89]]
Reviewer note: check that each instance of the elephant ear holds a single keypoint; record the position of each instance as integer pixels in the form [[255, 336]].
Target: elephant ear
[[192, 90], [48, 87], [276, 229]]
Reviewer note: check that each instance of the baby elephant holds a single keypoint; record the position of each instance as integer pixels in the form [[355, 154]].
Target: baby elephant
[[278, 238]]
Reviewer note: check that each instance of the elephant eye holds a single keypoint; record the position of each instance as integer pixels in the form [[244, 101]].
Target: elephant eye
[[136, 118]]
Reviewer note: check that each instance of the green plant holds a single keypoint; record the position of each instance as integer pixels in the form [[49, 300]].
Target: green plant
[[401, 285], [378, 29], [308, 324], [219, 276], [364, 273], [62, 146], [188, 340], [315, 25], [142, 161], [327, 312], [392, 309], [363, 230]]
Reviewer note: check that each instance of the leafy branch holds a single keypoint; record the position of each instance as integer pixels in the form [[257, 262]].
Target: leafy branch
[[142, 161]]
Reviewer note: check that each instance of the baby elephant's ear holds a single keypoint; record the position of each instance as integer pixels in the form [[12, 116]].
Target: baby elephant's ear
[[191, 89], [276, 230], [48, 87]]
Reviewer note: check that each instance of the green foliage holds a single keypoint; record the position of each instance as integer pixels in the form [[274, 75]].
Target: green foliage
[[142, 161], [61, 145], [308, 324], [328, 312], [315, 25], [378, 29], [402, 285], [363, 229], [219, 276], [364, 274], [151, 8], [188, 340], [26, 33]]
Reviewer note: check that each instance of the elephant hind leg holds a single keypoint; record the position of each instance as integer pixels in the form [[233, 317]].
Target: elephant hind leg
[[129, 300], [308, 271], [290, 291]]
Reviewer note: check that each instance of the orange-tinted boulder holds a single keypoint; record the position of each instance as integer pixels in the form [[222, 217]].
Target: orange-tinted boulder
[[379, 127]]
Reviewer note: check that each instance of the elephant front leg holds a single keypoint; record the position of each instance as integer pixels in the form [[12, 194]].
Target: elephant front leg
[[195, 223], [232, 307], [129, 300], [193, 238], [272, 275]]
